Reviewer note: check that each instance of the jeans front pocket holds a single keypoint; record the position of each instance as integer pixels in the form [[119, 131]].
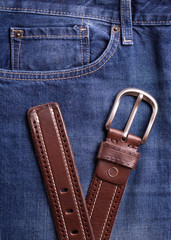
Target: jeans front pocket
[[49, 48]]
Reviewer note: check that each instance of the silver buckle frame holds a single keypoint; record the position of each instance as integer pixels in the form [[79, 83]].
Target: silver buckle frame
[[141, 95]]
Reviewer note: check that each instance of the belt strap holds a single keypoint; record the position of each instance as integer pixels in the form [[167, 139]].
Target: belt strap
[[116, 157], [59, 172], [115, 160]]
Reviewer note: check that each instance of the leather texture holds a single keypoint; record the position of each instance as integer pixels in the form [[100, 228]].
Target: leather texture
[[59, 172], [116, 158]]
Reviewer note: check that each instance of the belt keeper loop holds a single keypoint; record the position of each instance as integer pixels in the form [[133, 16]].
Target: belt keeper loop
[[126, 22]]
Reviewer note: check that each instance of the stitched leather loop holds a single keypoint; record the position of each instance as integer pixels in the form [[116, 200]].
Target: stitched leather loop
[[112, 173], [111, 152]]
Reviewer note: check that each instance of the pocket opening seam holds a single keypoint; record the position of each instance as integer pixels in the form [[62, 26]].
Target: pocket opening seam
[[70, 71], [17, 40], [74, 76], [37, 36]]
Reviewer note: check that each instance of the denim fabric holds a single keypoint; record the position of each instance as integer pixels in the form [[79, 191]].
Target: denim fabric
[[83, 74], [61, 44]]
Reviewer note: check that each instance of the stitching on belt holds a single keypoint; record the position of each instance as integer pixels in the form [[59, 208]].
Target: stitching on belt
[[42, 140], [108, 213], [66, 167], [96, 199]]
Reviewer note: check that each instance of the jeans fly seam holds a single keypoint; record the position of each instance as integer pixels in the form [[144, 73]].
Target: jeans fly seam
[[76, 76]]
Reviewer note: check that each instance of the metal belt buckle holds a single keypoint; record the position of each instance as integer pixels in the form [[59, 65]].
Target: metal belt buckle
[[141, 95]]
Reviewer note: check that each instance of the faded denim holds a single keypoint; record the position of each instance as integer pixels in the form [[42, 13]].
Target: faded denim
[[69, 54]]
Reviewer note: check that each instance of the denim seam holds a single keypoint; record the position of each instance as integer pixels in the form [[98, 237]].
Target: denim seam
[[82, 56], [13, 49], [71, 71], [69, 77], [129, 21], [108, 213], [87, 48], [123, 20], [42, 140], [51, 36], [95, 199], [60, 13], [151, 21], [67, 168], [83, 15], [88, 57], [19, 50]]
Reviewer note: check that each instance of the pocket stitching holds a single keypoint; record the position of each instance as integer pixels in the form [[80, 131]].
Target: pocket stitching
[[88, 57], [16, 56], [87, 73], [70, 71], [37, 36], [19, 50], [13, 62], [82, 56]]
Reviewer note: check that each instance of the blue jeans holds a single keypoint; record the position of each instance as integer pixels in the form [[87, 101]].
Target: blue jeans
[[52, 51]]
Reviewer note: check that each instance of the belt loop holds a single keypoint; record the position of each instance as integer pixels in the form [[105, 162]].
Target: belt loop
[[126, 22]]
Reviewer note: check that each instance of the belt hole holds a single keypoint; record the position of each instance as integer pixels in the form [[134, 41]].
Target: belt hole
[[123, 139], [64, 190], [74, 232], [69, 211]]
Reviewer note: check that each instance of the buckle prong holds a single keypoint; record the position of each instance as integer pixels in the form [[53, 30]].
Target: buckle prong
[[141, 95]]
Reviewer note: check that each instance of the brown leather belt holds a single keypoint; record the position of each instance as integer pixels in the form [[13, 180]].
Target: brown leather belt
[[116, 159], [73, 218], [59, 172]]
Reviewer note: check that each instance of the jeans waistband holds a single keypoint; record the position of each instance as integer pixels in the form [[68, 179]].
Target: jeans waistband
[[153, 12]]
